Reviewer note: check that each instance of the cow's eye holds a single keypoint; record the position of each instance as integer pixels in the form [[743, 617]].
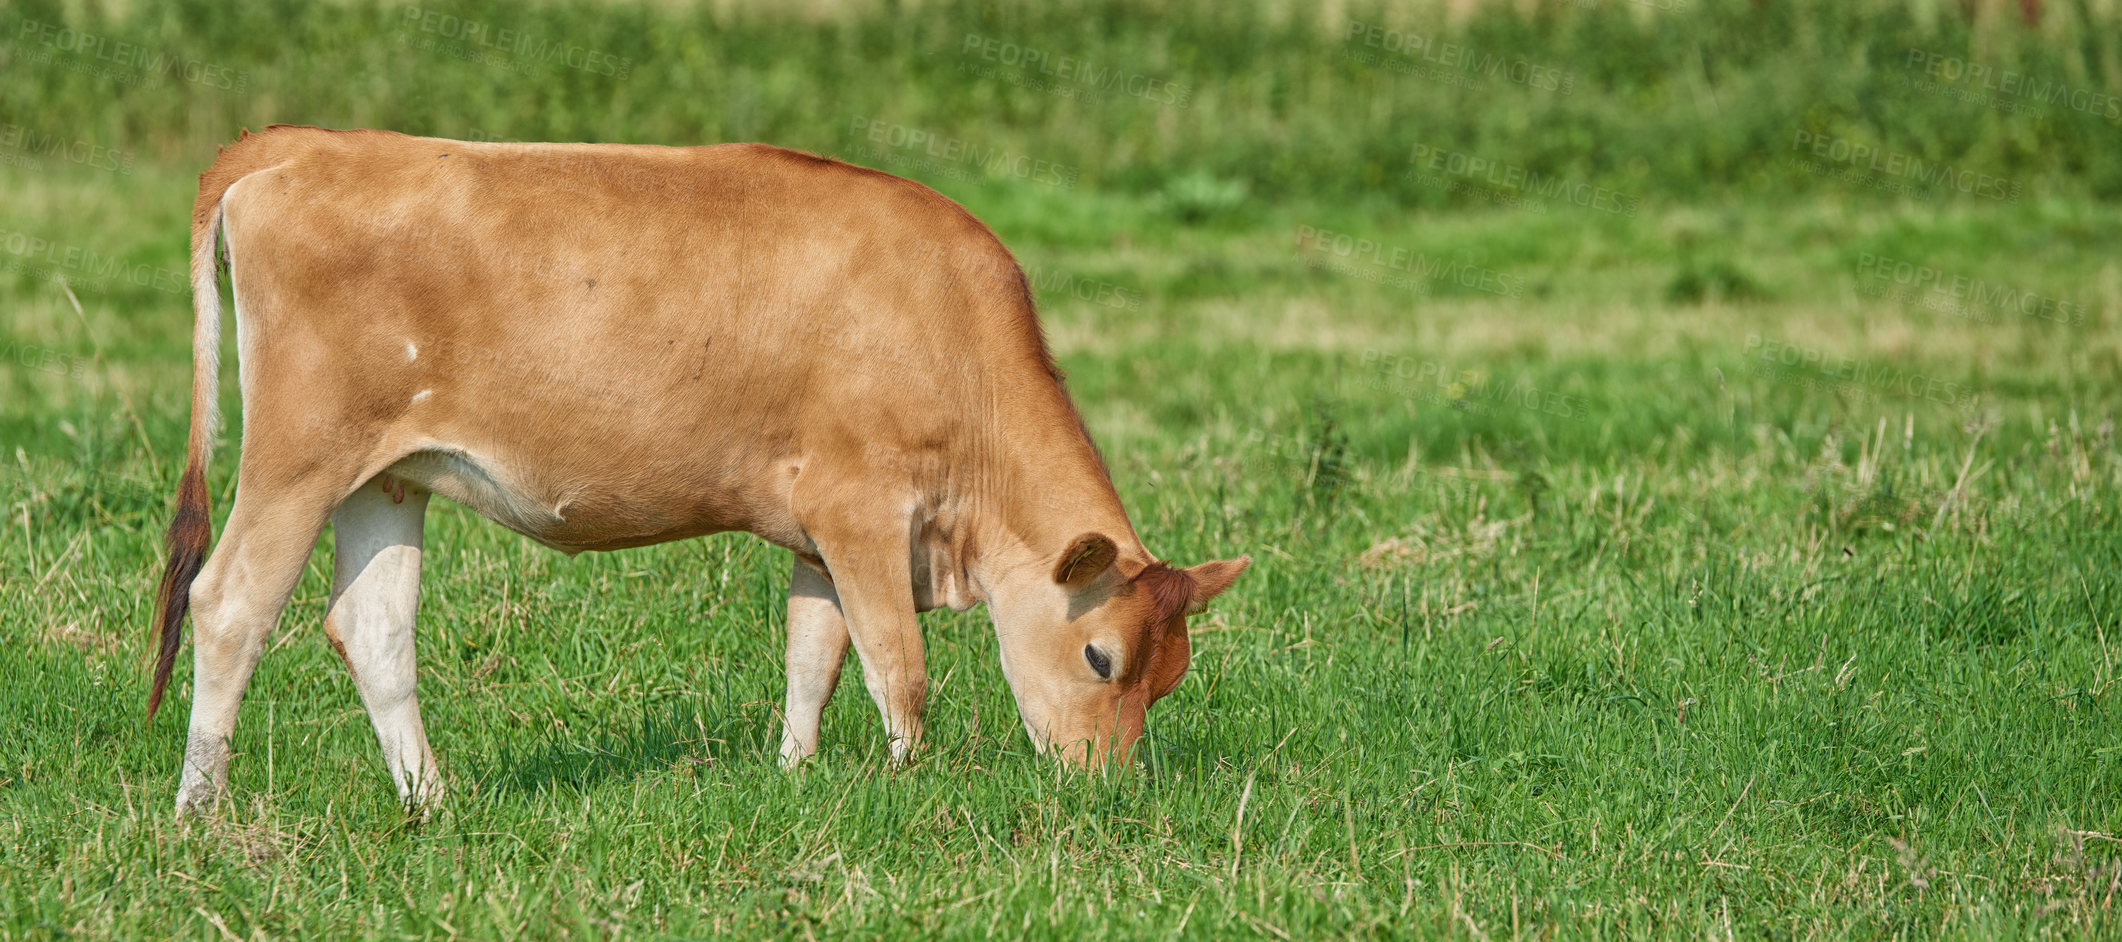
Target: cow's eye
[[1098, 661]]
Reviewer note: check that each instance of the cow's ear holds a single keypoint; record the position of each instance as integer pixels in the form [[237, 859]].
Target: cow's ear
[[1210, 579], [1085, 559], [1169, 661]]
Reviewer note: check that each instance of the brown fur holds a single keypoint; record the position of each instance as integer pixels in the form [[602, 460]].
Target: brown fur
[[1172, 591], [605, 346], [191, 529]]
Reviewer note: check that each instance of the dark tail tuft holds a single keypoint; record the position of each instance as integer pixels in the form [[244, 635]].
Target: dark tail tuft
[[189, 533], [192, 528]]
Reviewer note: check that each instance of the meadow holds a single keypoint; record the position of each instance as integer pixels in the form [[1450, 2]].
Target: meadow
[[1679, 509]]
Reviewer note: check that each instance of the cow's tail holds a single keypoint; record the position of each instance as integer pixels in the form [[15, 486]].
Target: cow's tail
[[192, 527]]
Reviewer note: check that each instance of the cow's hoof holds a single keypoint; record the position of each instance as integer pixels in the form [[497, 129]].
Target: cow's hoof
[[197, 799], [902, 753], [425, 801]]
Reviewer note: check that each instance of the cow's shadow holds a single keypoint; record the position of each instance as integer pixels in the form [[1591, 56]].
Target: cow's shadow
[[709, 735]]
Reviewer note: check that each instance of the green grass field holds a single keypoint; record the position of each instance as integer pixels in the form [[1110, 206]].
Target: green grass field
[[1746, 563]]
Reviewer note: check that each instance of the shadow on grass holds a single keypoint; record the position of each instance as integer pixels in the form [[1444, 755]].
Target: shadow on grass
[[659, 741], [1187, 741]]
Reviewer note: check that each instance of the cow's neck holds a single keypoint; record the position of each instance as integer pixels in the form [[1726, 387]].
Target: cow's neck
[[1042, 486]]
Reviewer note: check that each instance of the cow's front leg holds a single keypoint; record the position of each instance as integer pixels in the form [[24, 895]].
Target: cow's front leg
[[867, 555], [817, 646]]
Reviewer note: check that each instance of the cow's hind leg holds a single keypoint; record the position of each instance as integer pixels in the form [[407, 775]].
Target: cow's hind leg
[[235, 602], [375, 595]]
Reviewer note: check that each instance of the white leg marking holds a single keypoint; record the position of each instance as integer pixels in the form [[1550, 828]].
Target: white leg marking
[[817, 646], [375, 597]]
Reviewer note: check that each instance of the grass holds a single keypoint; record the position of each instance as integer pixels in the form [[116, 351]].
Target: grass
[[1689, 639], [1201, 106], [1706, 581]]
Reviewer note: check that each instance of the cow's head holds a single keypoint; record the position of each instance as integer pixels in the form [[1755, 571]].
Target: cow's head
[[1088, 646]]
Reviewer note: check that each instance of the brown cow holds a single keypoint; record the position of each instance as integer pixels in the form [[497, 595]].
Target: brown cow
[[606, 346]]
